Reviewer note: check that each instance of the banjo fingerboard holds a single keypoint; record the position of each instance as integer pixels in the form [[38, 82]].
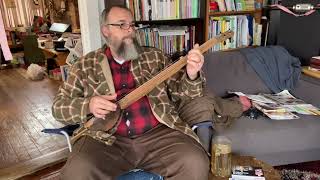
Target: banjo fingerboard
[[145, 88]]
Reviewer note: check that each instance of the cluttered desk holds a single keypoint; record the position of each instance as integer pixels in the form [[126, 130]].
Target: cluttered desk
[[54, 45], [60, 56]]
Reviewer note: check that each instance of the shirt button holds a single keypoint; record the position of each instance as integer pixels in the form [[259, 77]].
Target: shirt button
[[124, 85], [128, 123]]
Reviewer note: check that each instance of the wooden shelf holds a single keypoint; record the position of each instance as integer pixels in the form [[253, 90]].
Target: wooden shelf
[[171, 21], [228, 13], [257, 13]]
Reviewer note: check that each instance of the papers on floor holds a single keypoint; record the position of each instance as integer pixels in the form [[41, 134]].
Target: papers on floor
[[282, 105]]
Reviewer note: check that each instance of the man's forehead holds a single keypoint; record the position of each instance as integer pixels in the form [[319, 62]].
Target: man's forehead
[[119, 15]]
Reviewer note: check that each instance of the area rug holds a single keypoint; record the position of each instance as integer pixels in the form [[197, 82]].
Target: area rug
[[294, 174]]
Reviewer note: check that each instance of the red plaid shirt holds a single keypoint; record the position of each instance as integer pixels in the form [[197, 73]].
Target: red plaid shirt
[[138, 117]]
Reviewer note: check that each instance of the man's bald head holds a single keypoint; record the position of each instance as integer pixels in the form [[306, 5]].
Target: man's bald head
[[104, 19]]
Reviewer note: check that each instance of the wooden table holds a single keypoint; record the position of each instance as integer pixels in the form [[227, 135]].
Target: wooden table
[[59, 56], [269, 172]]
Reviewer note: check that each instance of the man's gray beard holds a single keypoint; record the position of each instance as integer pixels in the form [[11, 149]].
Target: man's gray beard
[[127, 51]]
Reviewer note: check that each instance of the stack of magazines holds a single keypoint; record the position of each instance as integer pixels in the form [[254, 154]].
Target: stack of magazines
[[281, 106], [247, 173]]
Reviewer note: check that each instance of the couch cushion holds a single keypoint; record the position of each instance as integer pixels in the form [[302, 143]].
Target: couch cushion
[[229, 71], [276, 142], [308, 89]]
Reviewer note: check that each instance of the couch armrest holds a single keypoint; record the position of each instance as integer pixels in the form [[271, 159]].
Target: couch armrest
[[308, 89]]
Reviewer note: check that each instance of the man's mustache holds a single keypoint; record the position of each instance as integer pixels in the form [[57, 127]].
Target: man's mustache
[[128, 37]]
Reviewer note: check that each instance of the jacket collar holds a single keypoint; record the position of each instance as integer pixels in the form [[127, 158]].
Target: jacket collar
[[105, 66]]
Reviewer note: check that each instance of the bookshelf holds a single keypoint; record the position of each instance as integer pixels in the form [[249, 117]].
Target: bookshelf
[[255, 13], [196, 20], [228, 13]]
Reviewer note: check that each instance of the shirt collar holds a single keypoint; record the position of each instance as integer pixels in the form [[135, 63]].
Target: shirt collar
[[111, 59]]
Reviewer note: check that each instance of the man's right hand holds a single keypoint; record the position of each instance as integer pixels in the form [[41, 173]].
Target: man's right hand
[[99, 106]]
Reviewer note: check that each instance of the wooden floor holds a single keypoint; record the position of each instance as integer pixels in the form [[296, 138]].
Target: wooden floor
[[25, 109]]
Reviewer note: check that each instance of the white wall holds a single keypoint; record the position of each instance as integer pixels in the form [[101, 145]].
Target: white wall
[[89, 14]]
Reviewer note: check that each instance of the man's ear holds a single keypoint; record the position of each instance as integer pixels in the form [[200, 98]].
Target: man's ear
[[105, 31]]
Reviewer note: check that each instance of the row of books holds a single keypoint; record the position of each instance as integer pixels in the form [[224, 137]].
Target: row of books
[[170, 39], [246, 31], [145, 10], [232, 5]]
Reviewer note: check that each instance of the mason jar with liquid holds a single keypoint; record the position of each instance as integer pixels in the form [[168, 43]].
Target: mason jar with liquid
[[221, 156]]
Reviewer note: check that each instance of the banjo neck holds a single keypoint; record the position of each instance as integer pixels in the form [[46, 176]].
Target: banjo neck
[[148, 86]]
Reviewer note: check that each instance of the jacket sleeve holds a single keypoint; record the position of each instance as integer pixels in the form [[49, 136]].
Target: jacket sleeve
[[209, 107], [180, 86], [70, 105]]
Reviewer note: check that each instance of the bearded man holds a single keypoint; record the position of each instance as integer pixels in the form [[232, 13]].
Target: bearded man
[[151, 135]]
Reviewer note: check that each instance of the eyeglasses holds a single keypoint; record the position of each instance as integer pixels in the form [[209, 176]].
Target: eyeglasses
[[124, 26]]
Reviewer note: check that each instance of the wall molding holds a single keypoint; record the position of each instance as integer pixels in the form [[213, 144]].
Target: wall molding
[[89, 14]]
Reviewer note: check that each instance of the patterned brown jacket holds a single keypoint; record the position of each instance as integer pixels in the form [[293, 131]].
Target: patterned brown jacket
[[91, 76]]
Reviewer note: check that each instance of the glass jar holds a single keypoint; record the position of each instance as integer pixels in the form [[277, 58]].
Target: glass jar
[[221, 156]]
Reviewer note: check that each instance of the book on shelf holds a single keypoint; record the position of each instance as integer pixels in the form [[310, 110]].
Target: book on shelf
[[315, 60], [315, 63], [221, 5], [234, 5], [169, 39], [147, 10], [246, 31], [247, 173], [280, 106], [213, 6]]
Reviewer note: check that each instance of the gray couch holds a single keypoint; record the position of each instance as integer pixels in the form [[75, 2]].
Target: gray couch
[[276, 142]]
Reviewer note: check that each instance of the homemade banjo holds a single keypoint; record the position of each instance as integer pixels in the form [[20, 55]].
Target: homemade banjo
[[113, 118]]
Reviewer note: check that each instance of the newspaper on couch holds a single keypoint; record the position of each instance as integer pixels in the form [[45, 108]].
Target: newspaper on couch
[[282, 105]]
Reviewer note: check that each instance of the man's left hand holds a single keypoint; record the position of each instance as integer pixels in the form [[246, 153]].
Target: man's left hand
[[195, 61], [245, 102]]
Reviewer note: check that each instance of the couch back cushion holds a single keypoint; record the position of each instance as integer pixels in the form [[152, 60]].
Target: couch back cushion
[[229, 71]]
